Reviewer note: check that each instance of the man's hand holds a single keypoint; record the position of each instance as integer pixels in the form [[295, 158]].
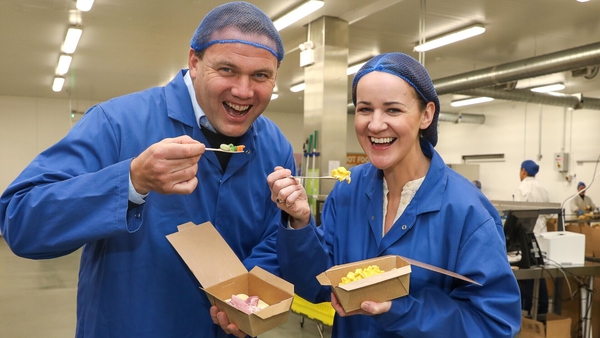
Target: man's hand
[[220, 318], [167, 167]]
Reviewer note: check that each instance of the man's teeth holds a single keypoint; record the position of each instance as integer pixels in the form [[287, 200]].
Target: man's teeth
[[382, 140], [237, 107]]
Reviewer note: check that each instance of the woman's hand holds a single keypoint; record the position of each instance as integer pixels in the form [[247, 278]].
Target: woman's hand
[[290, 196], [368, 308]]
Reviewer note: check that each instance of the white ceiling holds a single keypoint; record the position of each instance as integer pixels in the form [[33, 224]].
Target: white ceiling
[[131, 45]]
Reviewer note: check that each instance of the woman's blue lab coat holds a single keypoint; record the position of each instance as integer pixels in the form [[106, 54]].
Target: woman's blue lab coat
[[448, 224], [132, 283]]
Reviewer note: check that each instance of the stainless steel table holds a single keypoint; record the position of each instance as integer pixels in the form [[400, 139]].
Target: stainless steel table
[[589, 269]]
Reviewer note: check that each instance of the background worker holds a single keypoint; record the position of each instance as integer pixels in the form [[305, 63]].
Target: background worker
[[582, 204], [530, 190]]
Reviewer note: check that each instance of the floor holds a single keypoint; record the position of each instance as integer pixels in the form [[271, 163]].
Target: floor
[[37, 299]]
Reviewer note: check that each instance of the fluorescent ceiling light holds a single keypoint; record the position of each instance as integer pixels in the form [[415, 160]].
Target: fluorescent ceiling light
[[473, 100], [450, 38], [548, 88], [58, 84], [274, 96], [84, 5], [353, 69], [71, 40], [298, 88], [297, 13], [64, 62]]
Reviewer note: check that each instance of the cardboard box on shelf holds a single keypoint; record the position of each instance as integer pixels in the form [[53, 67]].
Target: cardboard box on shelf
[[222, 275], [391, 284], [556, 327]]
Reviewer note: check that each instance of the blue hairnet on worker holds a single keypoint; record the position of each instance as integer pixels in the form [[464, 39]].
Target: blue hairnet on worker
[[530, 167]]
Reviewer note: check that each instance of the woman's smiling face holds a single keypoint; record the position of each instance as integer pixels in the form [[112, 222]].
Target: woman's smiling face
[[388, 119]]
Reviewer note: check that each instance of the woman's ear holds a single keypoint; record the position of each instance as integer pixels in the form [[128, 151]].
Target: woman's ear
[[428, 114]]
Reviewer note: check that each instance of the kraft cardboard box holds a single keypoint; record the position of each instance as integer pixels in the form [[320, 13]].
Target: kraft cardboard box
[[222, 275], [391, 284], [556, 327]]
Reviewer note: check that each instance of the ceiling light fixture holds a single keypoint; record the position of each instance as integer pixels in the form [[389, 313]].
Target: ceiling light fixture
[[64, 62], [354, 68], [298, 88], [84, 5], [71, 40], [58, 83], [470, 101], [297, 13], [274, 96], [351, 70], [450, 38], [548, 88]]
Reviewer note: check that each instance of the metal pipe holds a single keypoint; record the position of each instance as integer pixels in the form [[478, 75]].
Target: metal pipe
[[524, 95], [574, 58]]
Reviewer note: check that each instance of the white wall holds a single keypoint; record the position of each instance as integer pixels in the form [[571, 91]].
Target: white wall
[[30, 125]]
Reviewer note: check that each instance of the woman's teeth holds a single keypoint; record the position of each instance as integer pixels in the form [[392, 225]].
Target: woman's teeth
[[382, 140]]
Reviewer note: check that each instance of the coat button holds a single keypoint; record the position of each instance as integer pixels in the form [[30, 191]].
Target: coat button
[[404, 227], [372, 218]]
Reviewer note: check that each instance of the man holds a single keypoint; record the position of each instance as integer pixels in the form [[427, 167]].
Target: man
[[583, 203], [530, 190], [135, 167]]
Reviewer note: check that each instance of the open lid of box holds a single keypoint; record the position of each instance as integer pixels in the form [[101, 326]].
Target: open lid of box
[[324, 279], [206, 253], [439, 270]]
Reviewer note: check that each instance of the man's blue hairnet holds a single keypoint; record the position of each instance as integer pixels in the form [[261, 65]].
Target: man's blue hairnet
[[411, 71], [580, 184], [238, 22], [530, 167]]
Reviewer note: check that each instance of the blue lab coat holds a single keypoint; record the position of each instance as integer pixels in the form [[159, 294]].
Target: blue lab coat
[[448, 224], [132, 283]]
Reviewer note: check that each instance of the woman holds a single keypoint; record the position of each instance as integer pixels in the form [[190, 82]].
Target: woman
[[405, 202]]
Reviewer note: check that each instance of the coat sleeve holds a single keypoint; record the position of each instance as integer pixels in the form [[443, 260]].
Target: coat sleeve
[[305, 253], [73, 193], [265, 253], [490, 310]]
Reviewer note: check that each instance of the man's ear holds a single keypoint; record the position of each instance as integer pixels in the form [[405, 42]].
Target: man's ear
[[192, 62]]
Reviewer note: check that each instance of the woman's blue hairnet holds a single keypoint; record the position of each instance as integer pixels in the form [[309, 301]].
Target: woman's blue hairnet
[[411, 71], [238, 22]]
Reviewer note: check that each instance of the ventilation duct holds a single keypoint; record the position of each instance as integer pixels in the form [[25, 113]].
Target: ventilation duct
[[570, 59], [524, 95]]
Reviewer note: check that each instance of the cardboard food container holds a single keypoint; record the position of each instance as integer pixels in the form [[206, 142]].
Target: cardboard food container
[[222, 275], [393, 283], [556, 327]]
